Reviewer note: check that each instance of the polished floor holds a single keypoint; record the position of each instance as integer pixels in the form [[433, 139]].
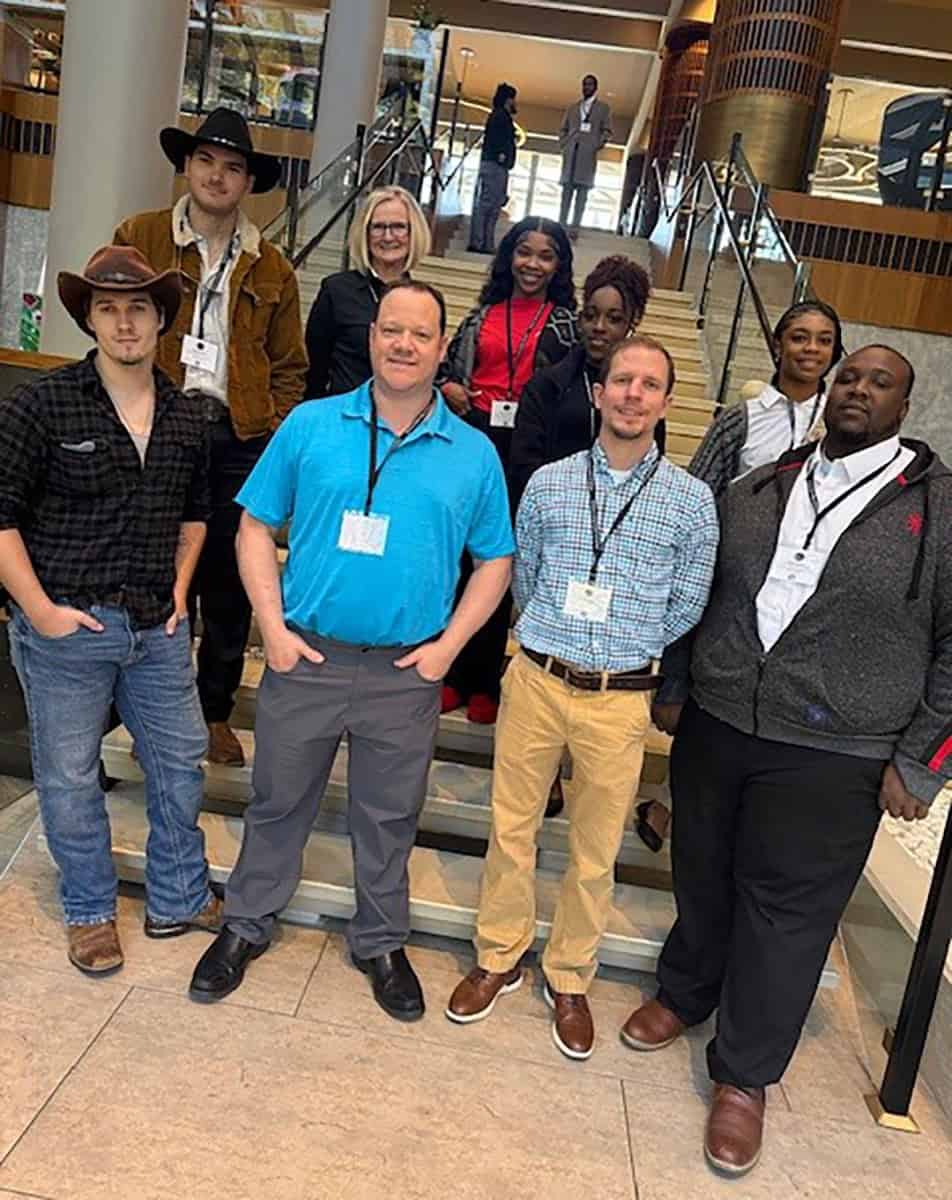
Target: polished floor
[[299, 1088]]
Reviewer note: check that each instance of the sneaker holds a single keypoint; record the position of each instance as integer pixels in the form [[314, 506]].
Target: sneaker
[[475, 996], [209, 919], [482, 709], [95, 949], [450, 699]]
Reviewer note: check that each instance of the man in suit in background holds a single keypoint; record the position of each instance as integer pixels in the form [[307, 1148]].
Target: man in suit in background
[[586, 128]]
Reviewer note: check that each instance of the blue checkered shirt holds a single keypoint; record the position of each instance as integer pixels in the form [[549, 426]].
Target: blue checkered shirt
[[658, 563]]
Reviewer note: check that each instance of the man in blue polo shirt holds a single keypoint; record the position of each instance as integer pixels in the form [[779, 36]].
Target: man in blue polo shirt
[[384, 489]]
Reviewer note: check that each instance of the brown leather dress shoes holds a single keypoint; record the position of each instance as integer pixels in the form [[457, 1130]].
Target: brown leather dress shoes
[[223, 747], [735, 1129], [475, 996], [651, 1027], [573, 1029]]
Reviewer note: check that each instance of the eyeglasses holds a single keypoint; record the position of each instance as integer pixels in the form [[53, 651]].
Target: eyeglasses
[[398, 229]]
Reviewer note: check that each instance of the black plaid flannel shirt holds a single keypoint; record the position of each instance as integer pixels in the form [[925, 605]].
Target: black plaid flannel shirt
[[100, 528]]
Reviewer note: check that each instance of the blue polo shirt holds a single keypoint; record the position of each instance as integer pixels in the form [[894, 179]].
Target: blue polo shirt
[[442, 489]]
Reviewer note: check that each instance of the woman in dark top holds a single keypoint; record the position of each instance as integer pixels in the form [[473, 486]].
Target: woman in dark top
[[556, 416], [525, 320], [388, 237]]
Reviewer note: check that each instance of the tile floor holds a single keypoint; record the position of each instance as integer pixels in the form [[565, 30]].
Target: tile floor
[[299, 1088]]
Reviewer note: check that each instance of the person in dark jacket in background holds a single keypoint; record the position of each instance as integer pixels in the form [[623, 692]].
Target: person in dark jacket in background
[[819, 696], [556, 415], [497, 160], [388, 237]]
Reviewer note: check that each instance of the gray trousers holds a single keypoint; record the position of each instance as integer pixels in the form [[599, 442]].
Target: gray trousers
[[492, 187], [390, 717], [580, 191]]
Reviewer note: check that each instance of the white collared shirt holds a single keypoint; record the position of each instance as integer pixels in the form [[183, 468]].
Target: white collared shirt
[[796, 568], [769, 429], [585, 107], [245, 238]]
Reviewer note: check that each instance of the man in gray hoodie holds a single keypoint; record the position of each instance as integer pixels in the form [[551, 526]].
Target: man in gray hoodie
[[820, 696]]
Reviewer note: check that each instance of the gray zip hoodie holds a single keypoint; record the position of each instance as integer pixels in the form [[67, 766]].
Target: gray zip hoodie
[[865, 668]]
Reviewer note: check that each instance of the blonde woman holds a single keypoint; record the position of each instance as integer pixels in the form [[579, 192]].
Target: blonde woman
[[388, 237]]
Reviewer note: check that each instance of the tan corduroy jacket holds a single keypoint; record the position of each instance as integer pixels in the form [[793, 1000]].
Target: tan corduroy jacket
[[266, 356]]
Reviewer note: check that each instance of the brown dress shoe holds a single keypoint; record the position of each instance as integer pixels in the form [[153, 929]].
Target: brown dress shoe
[[475, 996], [573, 1029], [95, 949], [223, 747], [651, 1027], [735, 1129]]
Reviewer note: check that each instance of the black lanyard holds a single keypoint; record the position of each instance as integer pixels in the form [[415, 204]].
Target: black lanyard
[[819, 514], [210, 290], [793, 419], [598, 542], [373, 470], [591, 404], [513, 360]]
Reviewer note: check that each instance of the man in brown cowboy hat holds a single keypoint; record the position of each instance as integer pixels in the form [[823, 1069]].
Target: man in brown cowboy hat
[[103, 505], [238, 348]]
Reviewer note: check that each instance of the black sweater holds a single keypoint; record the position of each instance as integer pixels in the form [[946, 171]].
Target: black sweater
[[338, 334], [555, 418], [499, 140]]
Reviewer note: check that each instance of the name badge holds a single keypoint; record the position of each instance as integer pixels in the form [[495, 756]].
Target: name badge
[[363, 533], [200, 354], [586, 127], [803, 567], [588, 601], [503, 414]]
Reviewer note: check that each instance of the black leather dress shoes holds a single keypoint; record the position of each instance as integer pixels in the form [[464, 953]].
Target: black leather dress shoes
[[396, 987], [222, 967]]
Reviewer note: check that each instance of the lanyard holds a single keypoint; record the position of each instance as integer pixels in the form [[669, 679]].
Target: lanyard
[[591, 404], [598, 542], [513, 360], [373, 470], [819, 514], [793, 419], [209, 290]]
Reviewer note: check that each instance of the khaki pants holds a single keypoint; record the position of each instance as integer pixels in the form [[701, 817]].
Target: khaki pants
[[605, 733]]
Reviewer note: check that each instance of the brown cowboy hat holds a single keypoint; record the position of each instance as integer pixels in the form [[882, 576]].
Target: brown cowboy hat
[[119, 269], [223, 127]]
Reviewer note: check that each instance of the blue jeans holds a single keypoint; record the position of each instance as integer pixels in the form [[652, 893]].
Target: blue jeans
[[70, 684]]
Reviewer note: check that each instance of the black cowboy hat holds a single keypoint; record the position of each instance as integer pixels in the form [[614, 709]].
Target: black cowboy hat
[[223, 127]]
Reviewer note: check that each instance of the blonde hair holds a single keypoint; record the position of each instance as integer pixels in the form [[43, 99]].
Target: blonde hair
[[419, 239]]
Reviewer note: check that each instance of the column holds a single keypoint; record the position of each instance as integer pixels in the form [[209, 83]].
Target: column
[[766, 78], [682, 76], [121, 81], [350, 76]]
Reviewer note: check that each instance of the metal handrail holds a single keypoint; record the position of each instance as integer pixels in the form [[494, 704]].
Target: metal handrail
[[689, 194], [362, 186], [741, 162]]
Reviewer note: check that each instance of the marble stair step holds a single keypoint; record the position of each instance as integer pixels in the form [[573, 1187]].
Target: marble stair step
[[444, 887], [457, 802]]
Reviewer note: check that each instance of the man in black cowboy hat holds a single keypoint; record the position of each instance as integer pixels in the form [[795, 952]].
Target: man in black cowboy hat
[[103, 505], [237, 347]]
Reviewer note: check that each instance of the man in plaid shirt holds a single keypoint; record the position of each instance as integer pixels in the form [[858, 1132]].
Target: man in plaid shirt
[[615, 555], [103, 504]]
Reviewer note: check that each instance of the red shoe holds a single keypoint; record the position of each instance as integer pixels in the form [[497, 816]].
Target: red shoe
[[482, 709], [450, 699]]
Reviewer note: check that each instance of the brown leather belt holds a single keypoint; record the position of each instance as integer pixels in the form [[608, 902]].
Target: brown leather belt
[[641, 680]]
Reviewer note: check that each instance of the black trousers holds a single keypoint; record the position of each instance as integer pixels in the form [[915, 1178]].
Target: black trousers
[[768, 842], [217, 591], [478, 669]]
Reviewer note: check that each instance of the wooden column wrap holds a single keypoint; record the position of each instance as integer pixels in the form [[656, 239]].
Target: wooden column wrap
[[679, 89], [784, 47]]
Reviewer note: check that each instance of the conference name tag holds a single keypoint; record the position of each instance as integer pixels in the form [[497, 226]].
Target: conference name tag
[[199, 354], [503, 414], [363, 533], [587, 601], [803, 567], [586, 127]]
